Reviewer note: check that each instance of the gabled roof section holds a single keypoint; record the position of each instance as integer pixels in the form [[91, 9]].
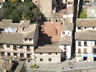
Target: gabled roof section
[[86, 35], [66, 40], [46, 49], [24, 23], [11, 38], [30, 35], [86, 23]]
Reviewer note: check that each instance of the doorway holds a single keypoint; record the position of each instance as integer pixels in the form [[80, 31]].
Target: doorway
[[94, 59], [84, 58]]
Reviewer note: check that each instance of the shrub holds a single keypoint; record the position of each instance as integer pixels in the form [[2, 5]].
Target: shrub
[[34, 66]]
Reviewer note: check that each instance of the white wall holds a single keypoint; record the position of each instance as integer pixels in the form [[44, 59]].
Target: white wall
[[68, 50], [89, 47], [56, 58]]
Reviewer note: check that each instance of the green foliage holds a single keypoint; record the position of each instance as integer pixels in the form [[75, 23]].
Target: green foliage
[[83, 14], [95, 0], [31, 14], [18, 10], [13, 1], [15, 15]]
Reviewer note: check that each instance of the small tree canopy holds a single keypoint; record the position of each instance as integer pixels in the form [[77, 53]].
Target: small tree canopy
[[17, 10]]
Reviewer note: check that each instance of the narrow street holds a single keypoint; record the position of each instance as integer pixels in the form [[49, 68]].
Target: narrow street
[[64, 66]]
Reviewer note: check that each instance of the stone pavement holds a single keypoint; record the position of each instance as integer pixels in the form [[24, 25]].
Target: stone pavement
[[64, 66]]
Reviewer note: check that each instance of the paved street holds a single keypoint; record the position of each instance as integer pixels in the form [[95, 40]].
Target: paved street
[[64, 66]]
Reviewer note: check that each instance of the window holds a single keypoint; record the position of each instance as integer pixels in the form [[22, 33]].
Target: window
[[49, 20], [28, 48], [30, 39], [35, 1], [2, 53], [1, 45], [84, 27], [79, 50], [95, 42], [28, 55], [50, 59], [56, 53], [15, 54], [85, 50], [8, 46], [14, 47], [49, 53], [41, 59], [56, 20], [25, 39], [79, 28], [23, 28], [21, 47], [79, 43], [85, 43], [63, 33], [61, 23], [65, 47], [8, 53], [21, 54], [40, 53], [94, 50]]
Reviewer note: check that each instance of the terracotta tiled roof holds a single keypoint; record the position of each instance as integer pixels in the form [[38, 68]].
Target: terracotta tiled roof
[[86, 23], [86, 35], [47, 49]]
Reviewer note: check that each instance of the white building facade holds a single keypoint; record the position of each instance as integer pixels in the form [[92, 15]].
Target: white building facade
[[85, 40], [66, 41]]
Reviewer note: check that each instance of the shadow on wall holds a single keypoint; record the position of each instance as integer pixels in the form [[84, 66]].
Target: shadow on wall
[[43, 38]]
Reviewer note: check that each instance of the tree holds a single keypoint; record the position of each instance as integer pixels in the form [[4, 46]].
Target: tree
[[80, 7], [13, 1], [31, 14], [22, 8], [74, 28], [15, 15], [83, 14], [18, 10]]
